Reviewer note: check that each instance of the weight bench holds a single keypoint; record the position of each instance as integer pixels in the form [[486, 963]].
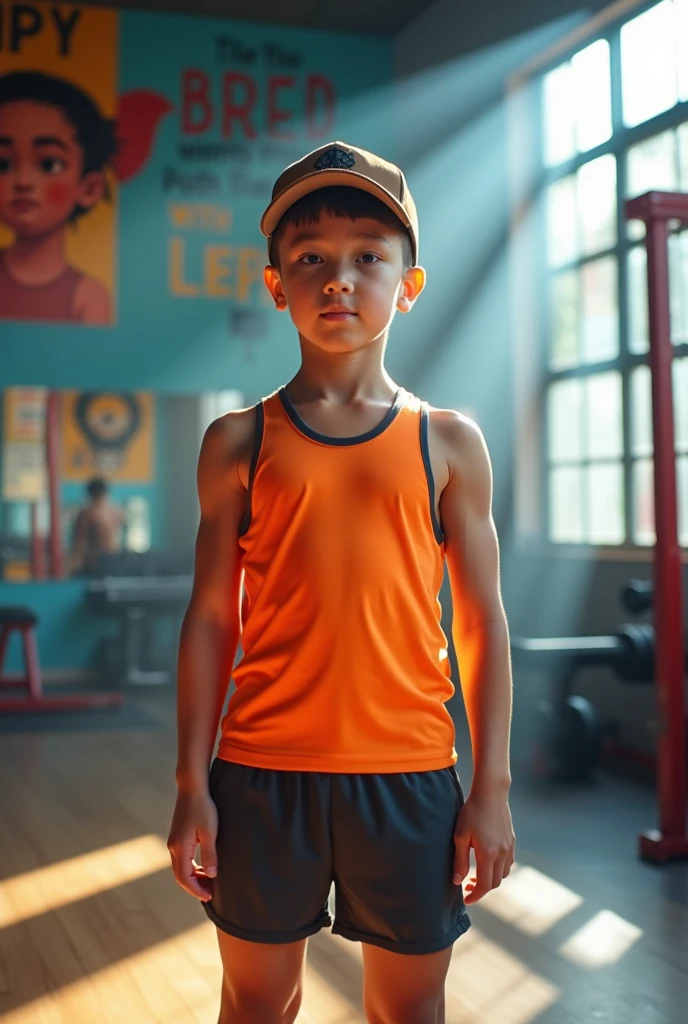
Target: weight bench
[[15, 618]]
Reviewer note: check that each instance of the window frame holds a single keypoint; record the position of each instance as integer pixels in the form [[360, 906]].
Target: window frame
[[606, 26]]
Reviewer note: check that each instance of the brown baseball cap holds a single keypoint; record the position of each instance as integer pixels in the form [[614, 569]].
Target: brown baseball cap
[[337, 163]]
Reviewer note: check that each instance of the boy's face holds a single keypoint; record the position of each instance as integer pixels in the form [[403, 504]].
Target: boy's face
[[343, 280], [41, 169]]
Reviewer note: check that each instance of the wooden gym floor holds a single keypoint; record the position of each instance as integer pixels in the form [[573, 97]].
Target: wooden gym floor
[[94, 929]]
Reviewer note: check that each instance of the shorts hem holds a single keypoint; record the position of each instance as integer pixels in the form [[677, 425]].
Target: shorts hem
[[324, 921], [462, 926]]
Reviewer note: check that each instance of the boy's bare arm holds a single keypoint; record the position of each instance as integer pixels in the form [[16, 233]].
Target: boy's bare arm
[[211, 627], [479, 625], [481, 640], [208, 643]]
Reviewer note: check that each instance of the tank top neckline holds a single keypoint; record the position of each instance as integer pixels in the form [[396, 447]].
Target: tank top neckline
[[315, 435]]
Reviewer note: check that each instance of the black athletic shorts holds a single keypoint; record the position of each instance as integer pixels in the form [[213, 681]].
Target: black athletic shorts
[[384, 840]]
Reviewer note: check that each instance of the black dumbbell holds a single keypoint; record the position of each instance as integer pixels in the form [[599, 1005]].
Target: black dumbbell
[[638, 596]]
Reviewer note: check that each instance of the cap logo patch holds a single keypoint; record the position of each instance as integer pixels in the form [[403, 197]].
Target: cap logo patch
[[340, 159]]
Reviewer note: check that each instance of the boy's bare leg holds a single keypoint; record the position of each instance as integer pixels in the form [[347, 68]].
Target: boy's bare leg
[[404, 989], [262, 982]]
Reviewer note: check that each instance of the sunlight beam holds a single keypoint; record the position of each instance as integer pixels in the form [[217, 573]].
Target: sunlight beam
[[44, 889], [603, 940], [530, 900]]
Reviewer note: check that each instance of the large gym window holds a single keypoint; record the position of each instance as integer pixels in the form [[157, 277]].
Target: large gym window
[[614, 125]]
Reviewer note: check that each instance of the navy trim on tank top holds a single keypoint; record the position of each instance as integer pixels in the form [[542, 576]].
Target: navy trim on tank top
[[315, 435], [257, 444], [425, 448]]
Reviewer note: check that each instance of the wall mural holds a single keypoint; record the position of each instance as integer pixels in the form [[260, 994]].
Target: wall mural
[[137, 152]]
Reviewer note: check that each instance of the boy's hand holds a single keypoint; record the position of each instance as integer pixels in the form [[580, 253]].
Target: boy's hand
[[484, 822], [194, 821]]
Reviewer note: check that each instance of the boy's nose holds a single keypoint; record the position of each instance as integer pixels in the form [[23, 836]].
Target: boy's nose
[[336, 285]]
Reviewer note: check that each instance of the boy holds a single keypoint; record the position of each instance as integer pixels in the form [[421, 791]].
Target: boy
[[335, 502], [55, 146]]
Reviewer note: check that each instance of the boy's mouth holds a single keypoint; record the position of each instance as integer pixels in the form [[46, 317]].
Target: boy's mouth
[[338, 313]]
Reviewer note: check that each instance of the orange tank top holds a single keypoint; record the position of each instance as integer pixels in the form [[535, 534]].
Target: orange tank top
[[344, 663]]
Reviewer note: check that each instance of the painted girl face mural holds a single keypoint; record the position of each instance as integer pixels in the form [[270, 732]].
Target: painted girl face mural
[[55, 147], [42, 182]]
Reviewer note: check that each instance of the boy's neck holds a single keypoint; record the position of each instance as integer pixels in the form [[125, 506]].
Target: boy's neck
[[342, 377], [37, 260]]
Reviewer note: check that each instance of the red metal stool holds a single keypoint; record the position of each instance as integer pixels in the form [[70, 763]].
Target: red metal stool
[[23, 620]]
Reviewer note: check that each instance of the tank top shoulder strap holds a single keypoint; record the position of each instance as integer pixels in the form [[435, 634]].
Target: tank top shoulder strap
[[416, 413], [258, 438], [271, 406]]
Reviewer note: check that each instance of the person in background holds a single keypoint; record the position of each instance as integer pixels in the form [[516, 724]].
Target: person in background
[[97, 529]]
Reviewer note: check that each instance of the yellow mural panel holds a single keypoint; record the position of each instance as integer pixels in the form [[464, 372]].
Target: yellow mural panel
[[58, 82], [108, 434]]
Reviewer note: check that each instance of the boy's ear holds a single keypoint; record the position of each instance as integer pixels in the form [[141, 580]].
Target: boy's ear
[[411, 287], [274, 286], [91, 189]]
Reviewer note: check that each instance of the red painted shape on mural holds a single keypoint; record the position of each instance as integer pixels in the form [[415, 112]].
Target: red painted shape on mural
[[139, 114]]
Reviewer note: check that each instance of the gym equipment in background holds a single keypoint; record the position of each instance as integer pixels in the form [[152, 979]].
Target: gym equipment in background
[[140, 589], [670, 841], [570, 732], [23, 620]]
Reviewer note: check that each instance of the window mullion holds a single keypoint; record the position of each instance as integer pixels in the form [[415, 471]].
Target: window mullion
[[623, 284]]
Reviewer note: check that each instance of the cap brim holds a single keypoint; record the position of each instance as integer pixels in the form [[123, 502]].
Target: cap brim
[[323, 179]]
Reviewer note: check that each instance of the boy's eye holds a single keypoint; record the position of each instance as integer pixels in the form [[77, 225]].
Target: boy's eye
[[5, 164], [369, 257], [311, 259], [52, 165]]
